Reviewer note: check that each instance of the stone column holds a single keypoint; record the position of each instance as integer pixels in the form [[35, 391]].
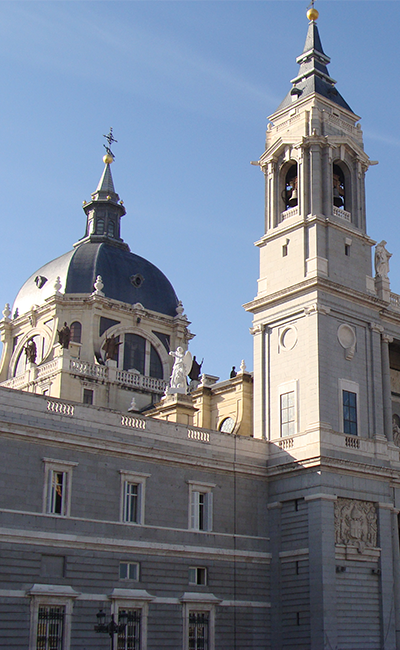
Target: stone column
[[386, 387], [396, 573], [327, 183], [388, 619], [259, 381], [376, 381], [274, 523], [322, 562], [316, 179]]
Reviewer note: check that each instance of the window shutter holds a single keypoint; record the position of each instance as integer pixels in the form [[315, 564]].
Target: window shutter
[[139, 504], [209, 511], [194, 511], [51, 492]]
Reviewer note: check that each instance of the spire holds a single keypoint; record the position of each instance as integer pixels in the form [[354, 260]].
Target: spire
[[106, 183], [104, 211], [313, 76]]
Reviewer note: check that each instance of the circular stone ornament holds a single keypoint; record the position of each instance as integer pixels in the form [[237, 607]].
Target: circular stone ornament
[[346, 336], [288, 338]]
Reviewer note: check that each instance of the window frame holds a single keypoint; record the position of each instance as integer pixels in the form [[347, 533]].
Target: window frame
[[198, 603], [46, 595], [133, 478], [87, 390], [128, 565], [199, 520], [198, 569], [53, 466], [139, 599], [283, 389], [349, 387]]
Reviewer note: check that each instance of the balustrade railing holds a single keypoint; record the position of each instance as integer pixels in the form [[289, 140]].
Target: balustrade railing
[[342, 214]]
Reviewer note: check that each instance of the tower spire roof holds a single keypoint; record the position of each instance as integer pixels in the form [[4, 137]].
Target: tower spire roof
[[313, 75], [106, 183], [105, 210]]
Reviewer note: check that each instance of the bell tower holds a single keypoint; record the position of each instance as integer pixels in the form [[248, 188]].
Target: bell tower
[[326, 377], [315, 247]]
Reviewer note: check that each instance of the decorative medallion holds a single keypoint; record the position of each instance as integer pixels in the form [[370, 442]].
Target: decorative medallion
[[347, 339], [288, 338]]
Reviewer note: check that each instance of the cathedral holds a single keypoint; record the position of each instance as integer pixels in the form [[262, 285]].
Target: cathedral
[[145, 504]]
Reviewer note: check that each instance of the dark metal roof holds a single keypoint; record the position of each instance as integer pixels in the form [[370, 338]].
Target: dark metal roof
[[127, 277], [313, 76]]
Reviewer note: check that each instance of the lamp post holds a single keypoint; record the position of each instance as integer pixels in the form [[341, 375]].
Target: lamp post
[[112, 628]]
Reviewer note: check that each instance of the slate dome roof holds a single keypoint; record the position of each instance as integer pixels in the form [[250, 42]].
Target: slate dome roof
[[126, 277]]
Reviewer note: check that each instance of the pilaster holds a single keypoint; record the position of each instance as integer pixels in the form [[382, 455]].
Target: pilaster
[[321, 526]]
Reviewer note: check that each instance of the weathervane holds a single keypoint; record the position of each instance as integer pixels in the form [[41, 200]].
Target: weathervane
[[110, 138]]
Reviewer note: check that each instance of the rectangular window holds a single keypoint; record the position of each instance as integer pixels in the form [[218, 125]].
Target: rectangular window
[[57, 493], [287, 410], [349, 412], [197, 575], [50, 628], [129, 638], [201, 510], [132, 497], [57, 486], [129, 571], [132, 503], [87, 396], [198, 630]]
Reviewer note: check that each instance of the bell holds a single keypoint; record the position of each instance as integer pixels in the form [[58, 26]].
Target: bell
[[337, 199], [293, 199]]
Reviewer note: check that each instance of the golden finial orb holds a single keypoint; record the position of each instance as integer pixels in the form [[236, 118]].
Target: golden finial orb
[[312, 14], [108, 159]]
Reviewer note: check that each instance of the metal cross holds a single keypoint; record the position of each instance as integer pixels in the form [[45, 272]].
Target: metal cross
[[110, 138]]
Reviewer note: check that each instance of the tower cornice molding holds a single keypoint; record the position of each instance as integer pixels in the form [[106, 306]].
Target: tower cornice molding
[[312, 284]]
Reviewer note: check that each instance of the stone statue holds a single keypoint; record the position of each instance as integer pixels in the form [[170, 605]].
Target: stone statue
[[31, 351], [382, 257], [195, 370], [64, 336], [233, 373], [178, 377], [396, 430], [111, 346]]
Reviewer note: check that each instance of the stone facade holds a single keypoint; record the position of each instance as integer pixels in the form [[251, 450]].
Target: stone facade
[[256, 513]]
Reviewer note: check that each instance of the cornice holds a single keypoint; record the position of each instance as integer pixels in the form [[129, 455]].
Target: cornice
[[127, 448], [323, 284], [329, 464]]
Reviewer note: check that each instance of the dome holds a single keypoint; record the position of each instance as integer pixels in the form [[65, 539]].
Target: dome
[[127, 277]]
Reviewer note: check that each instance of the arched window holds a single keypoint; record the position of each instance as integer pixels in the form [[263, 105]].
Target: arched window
[[290, 189], [76, 332], [134, 352], [156, 369], [100, 226], [111, 229], [339, 187]]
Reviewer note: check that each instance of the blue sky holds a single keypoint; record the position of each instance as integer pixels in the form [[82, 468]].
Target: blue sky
[[187, 87]]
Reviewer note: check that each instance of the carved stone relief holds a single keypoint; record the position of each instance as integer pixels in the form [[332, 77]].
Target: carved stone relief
[[356, 523]]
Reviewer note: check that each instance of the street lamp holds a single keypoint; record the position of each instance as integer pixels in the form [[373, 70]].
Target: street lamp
[[112, 628]]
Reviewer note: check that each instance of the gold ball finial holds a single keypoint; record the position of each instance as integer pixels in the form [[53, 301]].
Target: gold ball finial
[[312, 14], [108, 159]]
